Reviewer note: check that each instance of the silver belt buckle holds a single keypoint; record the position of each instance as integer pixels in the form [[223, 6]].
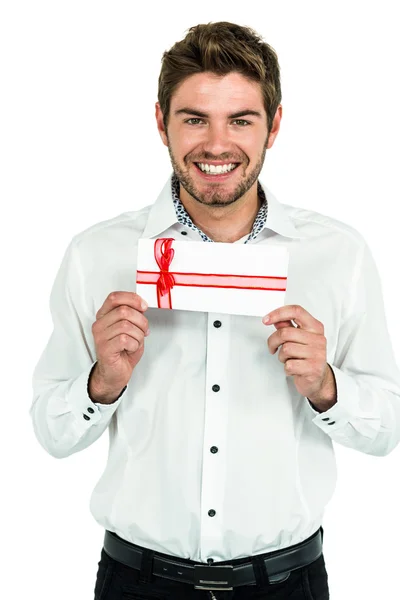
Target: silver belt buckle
[[219, 578]]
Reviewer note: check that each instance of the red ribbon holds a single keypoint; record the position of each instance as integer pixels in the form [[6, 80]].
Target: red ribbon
[[165, 280]]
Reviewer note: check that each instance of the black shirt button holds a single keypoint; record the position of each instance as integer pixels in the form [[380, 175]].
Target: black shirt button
[[217, 323], [215, 388], [86, 417], [90, 409], [184, 232], [211, 513], [332, 423], [214, 449], [325, 418]]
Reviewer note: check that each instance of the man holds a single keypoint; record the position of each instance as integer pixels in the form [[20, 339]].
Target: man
[[221, 426]]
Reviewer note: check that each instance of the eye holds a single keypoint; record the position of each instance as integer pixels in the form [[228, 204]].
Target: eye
[[192, 119], [242, 121]]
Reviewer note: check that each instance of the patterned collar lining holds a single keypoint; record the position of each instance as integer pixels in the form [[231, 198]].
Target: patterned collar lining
[[184, 218]]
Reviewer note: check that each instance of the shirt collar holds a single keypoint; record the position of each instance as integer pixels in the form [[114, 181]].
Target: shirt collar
[[184, 218], [277, 219], [162, 214]]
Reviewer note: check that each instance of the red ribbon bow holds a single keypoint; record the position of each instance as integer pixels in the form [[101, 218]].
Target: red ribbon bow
[[163, 253]]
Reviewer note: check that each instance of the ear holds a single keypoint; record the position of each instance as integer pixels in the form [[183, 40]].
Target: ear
[[275, 126], [160, 124]]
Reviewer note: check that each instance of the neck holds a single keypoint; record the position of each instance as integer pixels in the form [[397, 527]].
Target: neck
[[224, 223]]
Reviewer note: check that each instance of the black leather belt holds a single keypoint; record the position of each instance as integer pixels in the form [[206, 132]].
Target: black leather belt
[[217, 576]]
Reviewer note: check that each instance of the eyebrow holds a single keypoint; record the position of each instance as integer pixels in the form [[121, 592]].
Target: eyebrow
[[192, 111]]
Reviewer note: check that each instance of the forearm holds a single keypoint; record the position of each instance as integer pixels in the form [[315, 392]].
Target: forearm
[[327, 396], [98, 391]]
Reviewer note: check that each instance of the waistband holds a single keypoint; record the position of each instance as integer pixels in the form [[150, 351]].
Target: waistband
[[218, 575]]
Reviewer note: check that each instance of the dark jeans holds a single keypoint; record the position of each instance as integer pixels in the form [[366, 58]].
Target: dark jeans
[[116, 581]]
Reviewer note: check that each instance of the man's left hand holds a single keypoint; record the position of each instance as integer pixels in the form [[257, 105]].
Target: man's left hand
[[303, 352]]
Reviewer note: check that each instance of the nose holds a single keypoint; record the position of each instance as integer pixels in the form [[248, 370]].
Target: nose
[[217, 140]]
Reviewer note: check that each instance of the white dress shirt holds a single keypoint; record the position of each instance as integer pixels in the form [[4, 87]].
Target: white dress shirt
[[212, 451]]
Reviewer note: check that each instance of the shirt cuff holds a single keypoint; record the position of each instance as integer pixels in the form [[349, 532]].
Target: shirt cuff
[[346, 407], [87, 412]]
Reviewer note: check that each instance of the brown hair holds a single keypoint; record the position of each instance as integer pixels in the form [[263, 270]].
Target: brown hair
[[221, 48]]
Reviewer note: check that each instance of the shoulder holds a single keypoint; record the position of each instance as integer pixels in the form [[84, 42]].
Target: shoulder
[[316, 224], [114, 231]]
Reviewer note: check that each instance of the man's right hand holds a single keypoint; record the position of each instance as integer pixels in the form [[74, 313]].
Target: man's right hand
[[119, 332]]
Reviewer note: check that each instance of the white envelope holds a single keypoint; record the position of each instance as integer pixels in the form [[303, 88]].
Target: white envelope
[[212, 277]]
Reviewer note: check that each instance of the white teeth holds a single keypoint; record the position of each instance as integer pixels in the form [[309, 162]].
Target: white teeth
[[216, 169]]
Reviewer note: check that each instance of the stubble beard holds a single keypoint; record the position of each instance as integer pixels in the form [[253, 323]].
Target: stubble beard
[[213, 197]]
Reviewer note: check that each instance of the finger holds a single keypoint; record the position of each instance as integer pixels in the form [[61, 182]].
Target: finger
[[296, 313], [123, 327], [125, 313], [281, 324], [299, 367], [295, 334], [290, 350], [123, 342], [115, 299]]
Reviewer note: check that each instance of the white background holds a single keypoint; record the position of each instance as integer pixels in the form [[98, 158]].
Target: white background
[[79, 144]]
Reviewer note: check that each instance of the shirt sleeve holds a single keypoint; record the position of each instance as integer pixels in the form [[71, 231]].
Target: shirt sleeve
[[65, 420], [366, 416]]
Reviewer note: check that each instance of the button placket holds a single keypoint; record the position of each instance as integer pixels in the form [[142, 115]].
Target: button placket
[[215, 434]]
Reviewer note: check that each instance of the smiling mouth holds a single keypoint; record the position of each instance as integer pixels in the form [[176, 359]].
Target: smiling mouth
[[215, 170]]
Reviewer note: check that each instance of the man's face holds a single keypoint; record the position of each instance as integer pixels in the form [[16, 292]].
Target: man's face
[[217, 121]]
